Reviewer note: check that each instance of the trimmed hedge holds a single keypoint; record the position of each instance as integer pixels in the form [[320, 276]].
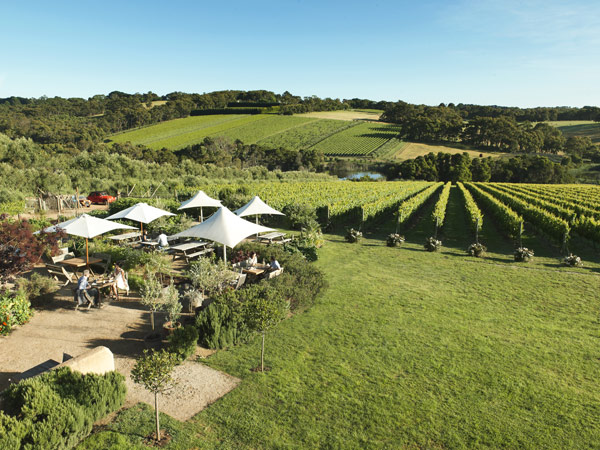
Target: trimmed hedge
[[57, 409], [183, 342]]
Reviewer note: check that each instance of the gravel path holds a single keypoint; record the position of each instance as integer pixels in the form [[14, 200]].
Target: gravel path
[[120, 326]]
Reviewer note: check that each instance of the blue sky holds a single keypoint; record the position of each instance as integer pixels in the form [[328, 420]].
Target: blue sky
[[515, 53]]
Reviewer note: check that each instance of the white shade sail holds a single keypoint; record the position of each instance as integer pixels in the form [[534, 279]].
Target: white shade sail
[[141, 212], [87, 226], [200, 200], [223, 227], [256, 206]]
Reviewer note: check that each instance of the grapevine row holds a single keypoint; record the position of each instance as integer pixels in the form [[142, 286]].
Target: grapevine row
[[555, 227], [408, 207], [473, 211], [505, 217], [439, 210]]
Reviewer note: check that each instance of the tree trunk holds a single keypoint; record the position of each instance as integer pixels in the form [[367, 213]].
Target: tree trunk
[[262, 354], [156, 412]]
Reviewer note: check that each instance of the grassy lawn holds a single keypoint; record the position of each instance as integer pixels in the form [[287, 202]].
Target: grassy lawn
[[416, 350]]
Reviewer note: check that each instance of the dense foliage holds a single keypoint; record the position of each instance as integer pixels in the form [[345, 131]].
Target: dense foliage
[[57, 409], [461, 167]]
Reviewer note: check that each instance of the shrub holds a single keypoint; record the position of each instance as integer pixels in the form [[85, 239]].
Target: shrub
[[478, 250], [432, 244], [394, 240], [222, 324], [523, 254], [15, 309], [57, 409], [573, 260], [37, 287], [353, 236], [183, 342], [300, 216]]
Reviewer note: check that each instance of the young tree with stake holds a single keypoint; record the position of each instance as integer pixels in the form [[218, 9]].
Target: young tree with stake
[[154, 370]]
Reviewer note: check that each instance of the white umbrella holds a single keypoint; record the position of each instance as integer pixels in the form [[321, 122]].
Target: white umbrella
[[87, 227], [198, 201], [225, 228], [141, 212], [256, 207]]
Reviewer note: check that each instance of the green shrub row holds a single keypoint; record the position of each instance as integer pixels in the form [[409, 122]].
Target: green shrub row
[[57, 409], [183, 342]]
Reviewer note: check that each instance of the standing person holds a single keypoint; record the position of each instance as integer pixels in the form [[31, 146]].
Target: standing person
[[120, 281], [85, 293], [162, 240]]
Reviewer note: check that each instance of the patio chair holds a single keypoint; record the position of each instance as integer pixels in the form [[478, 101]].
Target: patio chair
[[105, 263], [62, 257], [57, 272], [240, 281]]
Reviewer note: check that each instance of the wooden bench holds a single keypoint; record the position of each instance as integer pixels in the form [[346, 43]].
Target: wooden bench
[[199, 253], [57, 272]]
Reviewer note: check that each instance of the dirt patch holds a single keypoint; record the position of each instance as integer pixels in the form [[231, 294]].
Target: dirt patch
[[413, 149], [343, 115]]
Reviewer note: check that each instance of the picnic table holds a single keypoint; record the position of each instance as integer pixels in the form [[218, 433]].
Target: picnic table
[[126, 236], [77, 263], [190, 250], [149, 244], [255, 270], [272, 237]]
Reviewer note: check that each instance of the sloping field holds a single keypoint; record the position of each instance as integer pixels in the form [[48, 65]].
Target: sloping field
[[178, 133], [354, 114], [579, 128], [414, 149], [270, 125], [306, 135], [360, 140]]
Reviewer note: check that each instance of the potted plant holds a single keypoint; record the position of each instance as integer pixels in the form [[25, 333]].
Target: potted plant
[[523, 254], [353, 236], [394, 240], [172, 306], [432, 244], [573, 260], [477, 249]]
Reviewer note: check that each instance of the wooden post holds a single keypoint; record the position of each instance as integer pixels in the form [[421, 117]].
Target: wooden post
[[477, 231]]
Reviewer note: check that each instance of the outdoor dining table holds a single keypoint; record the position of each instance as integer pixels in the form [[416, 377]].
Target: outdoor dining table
[[271, 237], [77, 263], [255, 270], [149, 244], [186, 249]]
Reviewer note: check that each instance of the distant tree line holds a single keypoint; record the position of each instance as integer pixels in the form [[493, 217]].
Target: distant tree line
[[442, 123], [461, 167]]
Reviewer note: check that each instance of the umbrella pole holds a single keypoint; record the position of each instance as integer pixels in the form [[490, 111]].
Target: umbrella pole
[[257, 224], [201, 215], [141, 228], [87, 257], [224, 253]]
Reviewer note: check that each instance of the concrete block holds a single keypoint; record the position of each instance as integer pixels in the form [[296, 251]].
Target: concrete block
[[98, 360]]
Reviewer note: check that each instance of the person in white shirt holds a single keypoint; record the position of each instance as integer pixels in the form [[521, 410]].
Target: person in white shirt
[[274, 265], [252, 260], [162, 240]]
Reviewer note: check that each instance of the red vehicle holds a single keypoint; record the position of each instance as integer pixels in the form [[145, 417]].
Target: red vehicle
[[100, 197]]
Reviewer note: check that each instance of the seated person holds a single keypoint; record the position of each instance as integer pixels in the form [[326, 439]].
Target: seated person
[[252, 260], [162, 240], [85, 293], [145, 236], [120, 282], [274, 265]]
